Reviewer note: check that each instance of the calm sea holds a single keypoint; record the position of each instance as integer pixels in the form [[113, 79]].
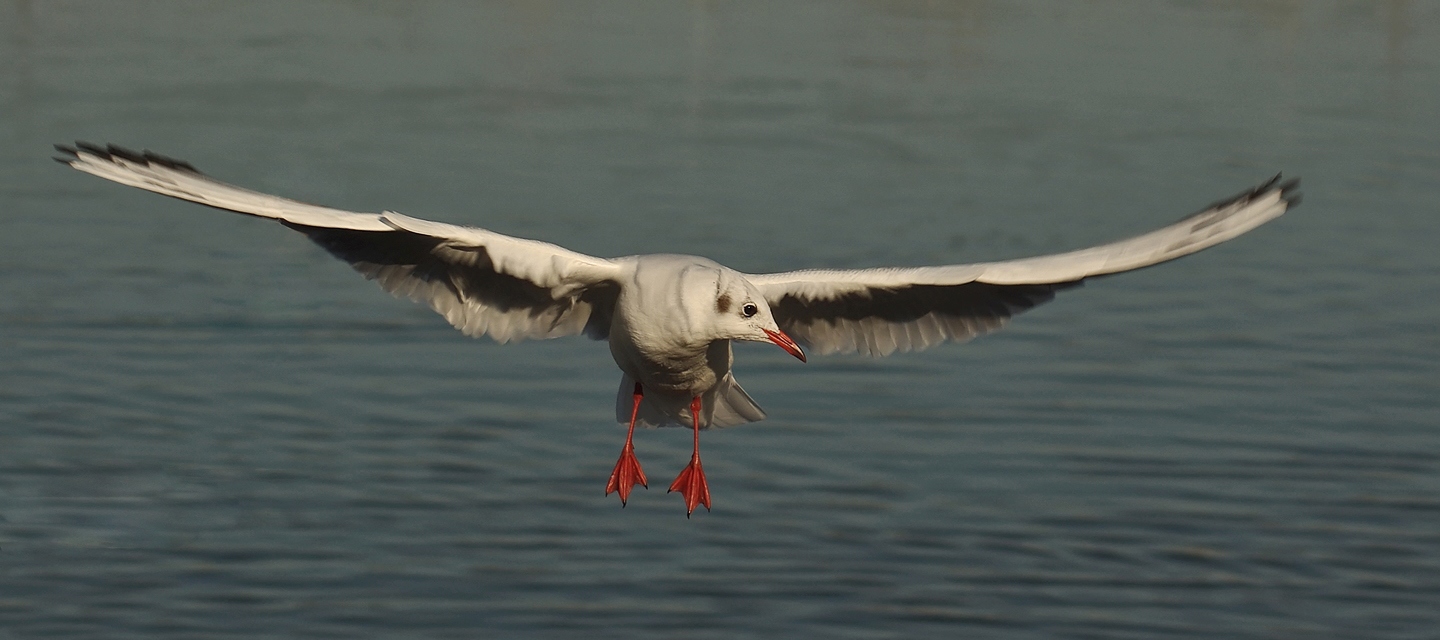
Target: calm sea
[[209, 428]]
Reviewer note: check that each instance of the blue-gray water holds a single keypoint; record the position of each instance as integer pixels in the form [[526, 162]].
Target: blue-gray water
[[209, 428]]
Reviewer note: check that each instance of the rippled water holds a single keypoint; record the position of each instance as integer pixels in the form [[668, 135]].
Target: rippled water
[[213, 429]]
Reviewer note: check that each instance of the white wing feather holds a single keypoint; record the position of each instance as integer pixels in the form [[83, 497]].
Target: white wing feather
[[880, 311], [484, 283], [177, 179]]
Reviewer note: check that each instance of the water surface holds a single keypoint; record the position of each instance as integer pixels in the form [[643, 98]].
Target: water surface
[[213, 429]]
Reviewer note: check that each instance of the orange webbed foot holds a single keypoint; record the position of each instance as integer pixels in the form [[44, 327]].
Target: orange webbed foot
[[626, 475], [691, 484]]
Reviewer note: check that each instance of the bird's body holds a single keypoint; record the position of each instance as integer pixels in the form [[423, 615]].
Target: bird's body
[[670, 319], [658, 336], [664, 337]]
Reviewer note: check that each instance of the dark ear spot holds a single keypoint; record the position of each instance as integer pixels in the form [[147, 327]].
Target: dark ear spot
[[722, 304]]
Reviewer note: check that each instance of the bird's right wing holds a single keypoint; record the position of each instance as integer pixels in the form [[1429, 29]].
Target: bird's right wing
[[484, 283], [879, 311]]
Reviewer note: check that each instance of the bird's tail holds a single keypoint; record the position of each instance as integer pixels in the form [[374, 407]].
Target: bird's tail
[[725, 405]]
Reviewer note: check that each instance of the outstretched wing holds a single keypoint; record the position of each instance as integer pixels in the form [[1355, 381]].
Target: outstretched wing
[[483, 282], [879, 311]]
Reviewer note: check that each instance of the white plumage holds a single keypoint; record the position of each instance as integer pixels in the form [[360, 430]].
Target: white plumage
[[669, 319]]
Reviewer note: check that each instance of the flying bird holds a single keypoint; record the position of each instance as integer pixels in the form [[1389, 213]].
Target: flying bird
[[670, 319]]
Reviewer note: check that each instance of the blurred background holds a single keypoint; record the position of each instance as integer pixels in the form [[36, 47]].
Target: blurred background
[[210, 428]]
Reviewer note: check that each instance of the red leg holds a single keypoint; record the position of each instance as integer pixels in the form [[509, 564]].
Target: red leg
[[627, 470], [691, 482]]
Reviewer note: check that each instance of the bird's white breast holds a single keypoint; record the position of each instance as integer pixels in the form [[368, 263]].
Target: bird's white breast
[[663, 333]]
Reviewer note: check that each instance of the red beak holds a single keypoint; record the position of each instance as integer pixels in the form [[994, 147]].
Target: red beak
[[784, 341]]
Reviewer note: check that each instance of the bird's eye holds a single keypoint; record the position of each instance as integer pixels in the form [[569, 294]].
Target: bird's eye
[[749, 309]]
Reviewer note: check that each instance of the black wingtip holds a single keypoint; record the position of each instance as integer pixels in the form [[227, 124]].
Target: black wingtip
[[112, 151], [1288, 192], [69, 157], [92, 149], [124, 154], [168, 162]]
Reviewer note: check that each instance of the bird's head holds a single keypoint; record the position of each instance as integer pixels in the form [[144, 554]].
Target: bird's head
[[741, 313]]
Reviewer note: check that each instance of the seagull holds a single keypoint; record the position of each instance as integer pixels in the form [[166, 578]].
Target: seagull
[[670, 319]]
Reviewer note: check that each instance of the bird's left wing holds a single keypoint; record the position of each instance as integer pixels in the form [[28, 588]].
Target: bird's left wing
[[879, 311], [484, 283]]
